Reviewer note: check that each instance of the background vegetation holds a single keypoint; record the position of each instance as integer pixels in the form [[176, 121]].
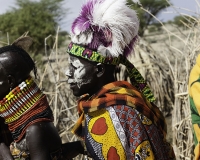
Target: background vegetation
[[39, 18], [153, 6]]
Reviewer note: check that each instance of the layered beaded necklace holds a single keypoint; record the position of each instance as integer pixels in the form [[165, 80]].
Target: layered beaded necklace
[[19, 100]]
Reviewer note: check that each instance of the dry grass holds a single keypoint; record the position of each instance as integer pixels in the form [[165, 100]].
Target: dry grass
[[180, 51]]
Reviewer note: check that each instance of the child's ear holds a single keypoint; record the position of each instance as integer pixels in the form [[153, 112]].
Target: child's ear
[[23, 42]]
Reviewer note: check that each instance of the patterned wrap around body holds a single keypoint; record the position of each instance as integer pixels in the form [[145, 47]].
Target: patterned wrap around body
[[118, 123]]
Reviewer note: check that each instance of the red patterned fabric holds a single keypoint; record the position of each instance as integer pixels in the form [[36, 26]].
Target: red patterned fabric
[[136, 132]]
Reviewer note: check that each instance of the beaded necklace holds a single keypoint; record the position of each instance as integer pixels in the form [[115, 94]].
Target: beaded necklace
[[19, 100]]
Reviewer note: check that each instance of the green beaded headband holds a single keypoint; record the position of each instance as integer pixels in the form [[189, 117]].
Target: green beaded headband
[[136, 78]]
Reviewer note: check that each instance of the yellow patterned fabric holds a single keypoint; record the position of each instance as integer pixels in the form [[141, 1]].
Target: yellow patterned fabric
[[194, 93], [145, 146], [107, 136]]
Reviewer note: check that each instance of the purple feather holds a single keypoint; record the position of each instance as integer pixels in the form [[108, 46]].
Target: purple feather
[[101, 36], [84, 20], [129, 48]]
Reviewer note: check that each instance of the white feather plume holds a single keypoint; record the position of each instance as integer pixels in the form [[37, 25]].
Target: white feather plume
[[120, 19], [116, 16], [83, 38]]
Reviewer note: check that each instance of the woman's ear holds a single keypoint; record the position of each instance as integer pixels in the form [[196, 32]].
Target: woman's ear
[[11, 81], [100, 69]]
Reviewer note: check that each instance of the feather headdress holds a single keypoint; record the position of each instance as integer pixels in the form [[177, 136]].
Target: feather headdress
[[105, 31], [107, 26]]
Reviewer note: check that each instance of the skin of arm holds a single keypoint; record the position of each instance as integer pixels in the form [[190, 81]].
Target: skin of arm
[[5, 152], [42, 139]]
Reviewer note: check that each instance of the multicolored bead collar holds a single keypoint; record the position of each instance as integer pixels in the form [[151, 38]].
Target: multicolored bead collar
[[19, 100], [136, 78]]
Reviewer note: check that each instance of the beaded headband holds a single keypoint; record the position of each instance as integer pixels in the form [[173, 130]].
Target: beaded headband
[[136, 78]]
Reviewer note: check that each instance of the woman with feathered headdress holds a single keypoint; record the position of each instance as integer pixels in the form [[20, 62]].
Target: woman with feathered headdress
[[118, 120]]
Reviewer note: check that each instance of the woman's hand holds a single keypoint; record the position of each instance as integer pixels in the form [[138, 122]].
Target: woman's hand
[[72, 149]]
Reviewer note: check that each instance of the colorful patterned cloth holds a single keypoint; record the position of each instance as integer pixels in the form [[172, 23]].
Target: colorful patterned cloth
[[194, 93], [119, 123]]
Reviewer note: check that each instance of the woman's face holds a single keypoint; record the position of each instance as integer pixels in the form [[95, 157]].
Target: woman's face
[[4, 85], [81, 76]]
